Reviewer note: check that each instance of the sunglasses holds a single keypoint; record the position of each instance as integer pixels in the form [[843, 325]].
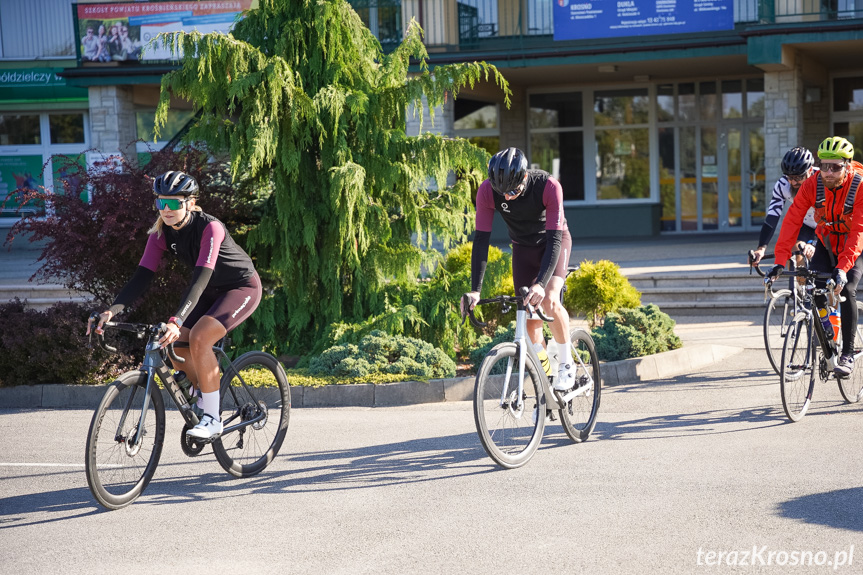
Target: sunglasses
[[832, 168], [516, 192], [169, 204], [799, 178]]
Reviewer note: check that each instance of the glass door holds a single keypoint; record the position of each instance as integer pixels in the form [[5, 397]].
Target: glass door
[[740, 197]]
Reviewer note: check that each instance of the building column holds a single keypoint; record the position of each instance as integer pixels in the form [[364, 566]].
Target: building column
[[783, 117], [113, 126]]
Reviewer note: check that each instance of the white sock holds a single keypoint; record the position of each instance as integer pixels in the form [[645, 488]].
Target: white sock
[[210, 404], [564, 352]]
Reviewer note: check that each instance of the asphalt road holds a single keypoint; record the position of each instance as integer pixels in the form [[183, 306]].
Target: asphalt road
[[698, 473]]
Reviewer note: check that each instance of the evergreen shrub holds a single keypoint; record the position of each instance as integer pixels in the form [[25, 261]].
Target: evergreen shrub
[[379, 352], [596, 289], [635, 333]]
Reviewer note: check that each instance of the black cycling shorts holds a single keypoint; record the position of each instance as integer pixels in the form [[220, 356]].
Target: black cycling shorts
[[526, 261], [230, 306], [806, 234]]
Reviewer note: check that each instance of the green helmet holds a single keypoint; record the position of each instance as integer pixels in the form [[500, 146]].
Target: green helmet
[[836, 148]]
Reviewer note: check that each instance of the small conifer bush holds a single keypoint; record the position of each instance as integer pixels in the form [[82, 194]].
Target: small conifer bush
[[635, 332]]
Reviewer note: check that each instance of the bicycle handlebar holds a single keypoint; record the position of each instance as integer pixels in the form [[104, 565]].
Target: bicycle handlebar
[[753, 265], [140, 329], [505, 301]]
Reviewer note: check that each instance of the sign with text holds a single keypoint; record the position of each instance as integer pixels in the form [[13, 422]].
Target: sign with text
[[590, 19], [123, 32]]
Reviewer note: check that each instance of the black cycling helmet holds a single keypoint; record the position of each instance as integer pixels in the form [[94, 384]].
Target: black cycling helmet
[[506, 170], [175, 184], [797, 161]]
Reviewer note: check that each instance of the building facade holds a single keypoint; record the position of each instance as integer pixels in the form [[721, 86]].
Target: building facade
[[652, 128]]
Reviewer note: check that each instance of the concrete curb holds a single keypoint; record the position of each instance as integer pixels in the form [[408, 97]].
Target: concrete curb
[[642, 369]]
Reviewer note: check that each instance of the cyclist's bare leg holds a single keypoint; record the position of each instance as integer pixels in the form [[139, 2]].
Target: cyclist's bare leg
[[553, 308], [205, 333]]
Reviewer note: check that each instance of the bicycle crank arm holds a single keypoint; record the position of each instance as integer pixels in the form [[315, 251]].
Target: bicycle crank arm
[[583, 390]]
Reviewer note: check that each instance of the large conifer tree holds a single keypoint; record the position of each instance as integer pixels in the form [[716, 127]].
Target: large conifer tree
[[301, 96]]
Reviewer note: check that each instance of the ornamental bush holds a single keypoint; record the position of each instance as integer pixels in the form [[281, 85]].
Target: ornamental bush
[[379, 352], [50, 347], [597, 289], [635, 333]]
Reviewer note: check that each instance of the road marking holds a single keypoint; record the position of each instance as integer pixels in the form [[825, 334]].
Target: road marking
[[41, 464]]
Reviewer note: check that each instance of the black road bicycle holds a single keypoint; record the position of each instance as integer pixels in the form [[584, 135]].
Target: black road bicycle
[[808, 352], [127, 431]]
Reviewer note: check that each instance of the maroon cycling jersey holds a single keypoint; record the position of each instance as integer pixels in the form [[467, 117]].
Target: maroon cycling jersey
[[203, 242], [527, 217]]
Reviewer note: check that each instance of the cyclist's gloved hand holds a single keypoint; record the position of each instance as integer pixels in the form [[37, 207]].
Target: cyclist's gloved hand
[[839, 278], [469, 301], [756, 255], [774, 273]]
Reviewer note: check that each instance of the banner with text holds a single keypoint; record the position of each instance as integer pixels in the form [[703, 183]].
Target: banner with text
[[590, 19], [123, 32]]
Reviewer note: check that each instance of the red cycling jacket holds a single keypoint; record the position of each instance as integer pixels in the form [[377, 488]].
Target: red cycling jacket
[[840, 226]]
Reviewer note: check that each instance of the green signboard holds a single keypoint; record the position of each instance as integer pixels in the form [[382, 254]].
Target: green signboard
[[36, 84]]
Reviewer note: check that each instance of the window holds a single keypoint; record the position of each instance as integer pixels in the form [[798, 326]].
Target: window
[[623, 149], [19, 130], [555, 122], [66, 128], [478, 123], [848, 112]]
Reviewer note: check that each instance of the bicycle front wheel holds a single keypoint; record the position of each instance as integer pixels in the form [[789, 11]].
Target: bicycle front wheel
[[852, 387], [778, 315], [578, 416], [509, 424], [256, 409], [119, 463], [797, 373]]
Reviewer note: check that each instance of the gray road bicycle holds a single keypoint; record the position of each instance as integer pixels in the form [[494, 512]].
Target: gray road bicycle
[[513, 394], [127, 431]]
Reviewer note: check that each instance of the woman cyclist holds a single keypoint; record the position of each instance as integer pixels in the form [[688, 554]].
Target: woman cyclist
[[224, 291]]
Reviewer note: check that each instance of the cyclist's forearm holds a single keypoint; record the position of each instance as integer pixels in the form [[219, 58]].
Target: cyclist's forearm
[[767, 230], [479, 259], [553, 239], [133, 289], [193, 292]]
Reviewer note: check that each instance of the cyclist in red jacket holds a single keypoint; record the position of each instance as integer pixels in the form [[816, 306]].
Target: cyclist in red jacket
[[838, 201]]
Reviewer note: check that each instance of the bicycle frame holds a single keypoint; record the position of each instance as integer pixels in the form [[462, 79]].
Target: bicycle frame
[[828, 345], [155, 366], [525, 348]]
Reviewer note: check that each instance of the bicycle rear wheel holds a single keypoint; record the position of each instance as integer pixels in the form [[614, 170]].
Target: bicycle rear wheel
[[510, 428], [777, 317], [797, 373], [578, 416], [852, 387], [256, 390], [117, 469]]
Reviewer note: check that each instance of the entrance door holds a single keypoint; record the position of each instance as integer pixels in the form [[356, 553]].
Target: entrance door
[[740, 199]]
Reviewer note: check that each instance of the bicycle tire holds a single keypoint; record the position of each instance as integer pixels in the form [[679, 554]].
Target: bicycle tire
[[852, 387], [578, 416], [777, 315], [117, 473], [250, 449], [798, 364], [509, 433]]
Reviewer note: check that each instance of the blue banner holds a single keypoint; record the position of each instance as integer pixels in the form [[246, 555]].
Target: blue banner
[[587, 19]]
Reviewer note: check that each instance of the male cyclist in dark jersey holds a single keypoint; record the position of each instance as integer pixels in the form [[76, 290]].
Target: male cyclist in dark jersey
[[531, 204], [797, 166], [224, 291]]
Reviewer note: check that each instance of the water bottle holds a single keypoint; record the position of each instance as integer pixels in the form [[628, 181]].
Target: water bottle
[[184, 383], [824, 315], [836, 321], [543, 357]]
